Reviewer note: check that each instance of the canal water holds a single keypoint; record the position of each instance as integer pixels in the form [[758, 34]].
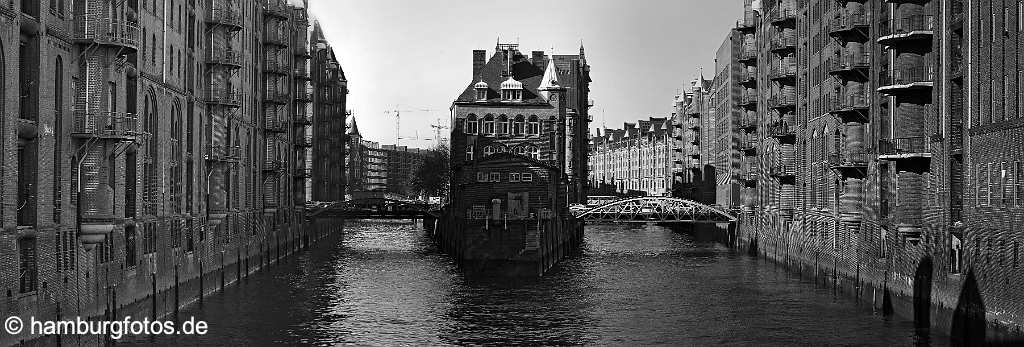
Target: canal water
[[384, 283]]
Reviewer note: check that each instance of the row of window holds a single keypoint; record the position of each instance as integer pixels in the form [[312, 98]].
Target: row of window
[[514, 177], [523, 150], [1000, 184], [502, 125]]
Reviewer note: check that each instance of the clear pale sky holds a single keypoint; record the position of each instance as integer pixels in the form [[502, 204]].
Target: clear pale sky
[[417, 54]]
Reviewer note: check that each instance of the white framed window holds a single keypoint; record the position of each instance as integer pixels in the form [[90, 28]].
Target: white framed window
[[495, 177], [502, 125], [533, 127], [488, 150], [472, 125], [481, 177], [519, 126], [519, 150], [469, 152], [488, 124], [534, 152], [514, 177], [526, 177], [481, 94]]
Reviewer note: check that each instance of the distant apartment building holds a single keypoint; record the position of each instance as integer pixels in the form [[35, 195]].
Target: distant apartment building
[[377, 171], [402, 163], [146, 142], [637, 159]]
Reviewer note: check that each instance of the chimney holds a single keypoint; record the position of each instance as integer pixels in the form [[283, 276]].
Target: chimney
[[479, 58], [537, 58]]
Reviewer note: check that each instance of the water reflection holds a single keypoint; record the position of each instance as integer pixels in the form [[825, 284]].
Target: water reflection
[[385, 284]]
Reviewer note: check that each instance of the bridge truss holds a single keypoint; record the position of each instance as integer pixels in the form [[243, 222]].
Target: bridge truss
[[654, 210]]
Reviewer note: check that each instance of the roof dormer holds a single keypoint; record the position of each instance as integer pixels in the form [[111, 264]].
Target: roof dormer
[[481, 90], [511, 90]]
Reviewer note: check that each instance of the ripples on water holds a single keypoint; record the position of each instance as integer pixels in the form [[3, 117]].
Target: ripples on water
[[385, 284]]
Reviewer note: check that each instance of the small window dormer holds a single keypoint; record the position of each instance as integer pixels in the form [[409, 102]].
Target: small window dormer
[[511, 90], [481, 90]]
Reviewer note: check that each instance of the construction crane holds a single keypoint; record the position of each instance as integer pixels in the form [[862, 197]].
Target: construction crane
[[437, 129], [398, 120]]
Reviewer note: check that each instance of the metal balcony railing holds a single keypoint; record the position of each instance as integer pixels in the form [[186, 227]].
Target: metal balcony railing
[[748, 99], [748, 145], [782, 71], [783, 42], [693, 123], [276, 97], [907, 75], [780, 129], [228, 57], [302, 73], [907, 146], [849, 22], [921, 24], [276, 8], [225, 16], [851, 102], [782, 14], [272, 165], [849, 62], [302, 119], [275, 38], [102, 29], [848, 159], [748, 78], [109, 125], [275, 67], [748, 55], [783, 170], [223, 97], [223, 153], [274, 125], [303, 173], [304, 141], [782, 101]]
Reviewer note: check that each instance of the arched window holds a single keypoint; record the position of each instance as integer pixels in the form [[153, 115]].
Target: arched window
[[489, 124], [488, 150], [519, 127], [519, 150], [472, 126], [533, 128], [502, 124]]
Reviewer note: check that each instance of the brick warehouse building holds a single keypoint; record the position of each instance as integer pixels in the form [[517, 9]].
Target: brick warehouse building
[[636, 158], [178, 147], [880, 148]]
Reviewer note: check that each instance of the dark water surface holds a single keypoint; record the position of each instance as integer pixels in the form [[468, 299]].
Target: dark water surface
[[385, 284]]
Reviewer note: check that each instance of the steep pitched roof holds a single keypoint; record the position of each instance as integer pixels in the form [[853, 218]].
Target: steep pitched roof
[[523, 70], [353, 129]]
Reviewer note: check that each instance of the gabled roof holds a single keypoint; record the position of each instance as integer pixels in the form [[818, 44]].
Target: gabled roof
[[352, 128]]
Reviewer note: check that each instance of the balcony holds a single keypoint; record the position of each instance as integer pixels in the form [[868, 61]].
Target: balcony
[[229, 58], [103, 30], [750, 175], [903, 148], [749, 101], [850, 66], [228, 18], [106, 125], [782, 15], [747, 123], [781, 130], [849, 164], [303, 173], [276, 97], [222, 153], [272, 165], [304, 94], [907, 29], [304, 141], [274, 125], [748, 56], [272, 38], [783, 44], [783, 73], [693, 124], [275, 67], [849, 108], [907, 79], [782, 102], [783, 171], [747, 24], [302, 73], [228, 98], [850, 26], [749, 147], [276, 8], [748, 79]]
